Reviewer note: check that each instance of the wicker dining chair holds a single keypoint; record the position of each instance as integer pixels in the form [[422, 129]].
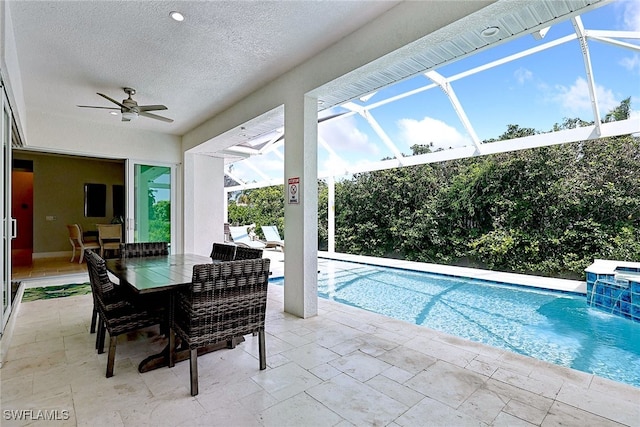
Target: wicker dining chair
[[247, 253], [225, 300], [117, 314], [143, 249], [223, 252]]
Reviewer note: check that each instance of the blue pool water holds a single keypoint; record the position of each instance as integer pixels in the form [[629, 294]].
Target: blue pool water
[[551, 326]]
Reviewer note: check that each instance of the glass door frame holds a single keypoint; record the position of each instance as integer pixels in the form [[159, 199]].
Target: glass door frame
[[130, 211], [8, 225]]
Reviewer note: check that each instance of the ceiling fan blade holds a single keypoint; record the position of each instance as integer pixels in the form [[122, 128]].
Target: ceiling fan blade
[[113, 100], [155, 116], [104, 108], [151, 107]]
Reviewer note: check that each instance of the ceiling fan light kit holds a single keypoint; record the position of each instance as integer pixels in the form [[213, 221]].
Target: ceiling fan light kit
[[127, 116], [130, 109]]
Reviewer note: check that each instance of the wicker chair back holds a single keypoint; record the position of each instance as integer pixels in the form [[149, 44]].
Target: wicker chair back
[[143, 249], [225, 300], [223, 252], [247, 253]]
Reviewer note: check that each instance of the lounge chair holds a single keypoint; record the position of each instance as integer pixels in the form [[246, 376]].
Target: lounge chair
[[272, 237], [240, 236]]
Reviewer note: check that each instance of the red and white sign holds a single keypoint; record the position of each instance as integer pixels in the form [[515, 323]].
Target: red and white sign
[[294, 189]]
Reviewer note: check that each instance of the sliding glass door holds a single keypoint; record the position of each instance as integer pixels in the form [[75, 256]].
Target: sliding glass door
[[5, 210], [150, 204]]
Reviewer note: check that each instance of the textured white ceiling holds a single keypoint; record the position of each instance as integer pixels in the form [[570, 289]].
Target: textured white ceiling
[[224, 50]]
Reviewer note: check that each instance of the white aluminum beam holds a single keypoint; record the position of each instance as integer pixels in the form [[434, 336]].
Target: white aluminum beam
[[382, 134], [234, 177], [364, 112], [623, 127], [614, 42], [584, 47], [444, 84], [253, 167]]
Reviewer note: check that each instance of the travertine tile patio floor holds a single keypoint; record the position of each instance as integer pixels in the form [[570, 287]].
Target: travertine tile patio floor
[[343, 367]]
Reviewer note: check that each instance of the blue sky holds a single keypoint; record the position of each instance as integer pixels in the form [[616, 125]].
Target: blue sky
[[536, 91]]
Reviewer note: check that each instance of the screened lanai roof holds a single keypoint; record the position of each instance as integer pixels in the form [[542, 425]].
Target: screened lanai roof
[[467, 92]]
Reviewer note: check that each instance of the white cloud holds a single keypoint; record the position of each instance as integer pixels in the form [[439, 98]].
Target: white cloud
[[341, 166], [343, 135], [522, 75], [631, 15], [575, 100], [430, 130], [631, 63]]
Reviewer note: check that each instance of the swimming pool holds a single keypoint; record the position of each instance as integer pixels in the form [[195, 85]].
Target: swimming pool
[[552, 326]]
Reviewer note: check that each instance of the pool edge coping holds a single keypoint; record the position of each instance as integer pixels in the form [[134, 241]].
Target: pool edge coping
[[515, 279]]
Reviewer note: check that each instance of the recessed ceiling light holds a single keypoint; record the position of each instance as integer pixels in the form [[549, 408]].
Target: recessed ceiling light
[[176, 16], [490, 31], [113, 113]]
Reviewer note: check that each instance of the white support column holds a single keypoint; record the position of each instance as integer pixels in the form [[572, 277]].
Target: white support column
[[204, 204], [301, 218], [331, 212]]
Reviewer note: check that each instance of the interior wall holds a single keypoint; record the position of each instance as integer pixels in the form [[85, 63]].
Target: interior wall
[[58, 196]]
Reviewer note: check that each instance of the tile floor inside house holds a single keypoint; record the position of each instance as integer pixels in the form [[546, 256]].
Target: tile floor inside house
[[47, 267], [343, 367]]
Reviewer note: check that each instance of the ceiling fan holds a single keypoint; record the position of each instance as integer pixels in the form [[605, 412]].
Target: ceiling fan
[[130, 109]]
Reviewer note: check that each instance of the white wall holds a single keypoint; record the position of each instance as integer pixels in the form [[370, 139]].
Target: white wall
[[203, 202], [51, 133]]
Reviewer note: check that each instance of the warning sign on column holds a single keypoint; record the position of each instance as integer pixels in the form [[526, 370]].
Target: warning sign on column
[[294, 189]]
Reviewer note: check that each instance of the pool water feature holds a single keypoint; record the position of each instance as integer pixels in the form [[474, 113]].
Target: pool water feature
[[552, 326]]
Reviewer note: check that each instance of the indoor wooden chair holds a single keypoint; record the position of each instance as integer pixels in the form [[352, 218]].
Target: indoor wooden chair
[[77, 242], [109, 237]]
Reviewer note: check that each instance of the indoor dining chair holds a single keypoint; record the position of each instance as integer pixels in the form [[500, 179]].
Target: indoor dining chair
[[77, 242], [109, 237]]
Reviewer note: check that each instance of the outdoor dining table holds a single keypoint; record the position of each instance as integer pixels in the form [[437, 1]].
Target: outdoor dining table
[[156, 278]]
